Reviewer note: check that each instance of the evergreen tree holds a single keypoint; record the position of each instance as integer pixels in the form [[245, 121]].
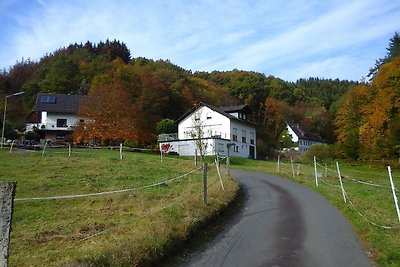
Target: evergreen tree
[[393, 52]]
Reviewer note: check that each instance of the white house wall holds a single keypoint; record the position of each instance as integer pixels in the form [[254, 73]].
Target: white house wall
[[242, 148], [51, 123], [214, 124], [305, 145], [294, 136], [219, 130]]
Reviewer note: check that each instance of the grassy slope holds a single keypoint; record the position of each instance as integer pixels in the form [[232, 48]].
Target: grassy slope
[[124, 229], [375, 203]]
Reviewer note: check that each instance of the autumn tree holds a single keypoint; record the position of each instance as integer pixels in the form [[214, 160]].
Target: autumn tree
[[381, 126], [108, 116], [348, 121], [368, 122]]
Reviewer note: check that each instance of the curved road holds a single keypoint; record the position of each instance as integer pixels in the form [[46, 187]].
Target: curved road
[[283, 224]]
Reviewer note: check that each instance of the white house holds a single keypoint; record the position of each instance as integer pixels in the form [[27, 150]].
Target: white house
[[222, 130], [301, 137], [55, 115]]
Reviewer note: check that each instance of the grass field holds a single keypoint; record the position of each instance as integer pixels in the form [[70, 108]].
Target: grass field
[[137, 227], [375, 203], [121, 229]]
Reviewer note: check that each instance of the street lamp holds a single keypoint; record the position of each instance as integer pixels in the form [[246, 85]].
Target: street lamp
[[4, 117]]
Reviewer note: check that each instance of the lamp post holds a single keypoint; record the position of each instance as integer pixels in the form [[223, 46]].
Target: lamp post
[[4, 116]]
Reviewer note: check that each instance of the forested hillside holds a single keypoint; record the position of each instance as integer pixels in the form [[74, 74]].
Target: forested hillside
[[154, 90]]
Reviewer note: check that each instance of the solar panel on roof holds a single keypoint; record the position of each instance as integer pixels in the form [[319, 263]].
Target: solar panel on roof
[[49, 99]]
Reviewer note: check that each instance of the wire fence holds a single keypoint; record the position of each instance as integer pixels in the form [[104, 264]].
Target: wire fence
[[68, 151], [350, 183]]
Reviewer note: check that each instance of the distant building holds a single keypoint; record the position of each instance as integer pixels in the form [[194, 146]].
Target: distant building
[[302, 138], [224, 130], [55, 115]]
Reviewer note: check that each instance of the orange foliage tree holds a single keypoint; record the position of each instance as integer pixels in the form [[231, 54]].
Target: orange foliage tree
[[108, 116], [368, 122]]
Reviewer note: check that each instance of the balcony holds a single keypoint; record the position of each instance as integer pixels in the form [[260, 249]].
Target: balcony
[[192, 135], [49, 126], [167, 137]]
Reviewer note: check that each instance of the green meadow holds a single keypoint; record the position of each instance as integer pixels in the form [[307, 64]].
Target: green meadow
[[140, 225], [369, 199], [130, 228]]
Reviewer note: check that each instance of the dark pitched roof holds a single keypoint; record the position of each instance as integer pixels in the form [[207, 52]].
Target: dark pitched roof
[[220, 110], [243, 108], [303, 134], [58, 103]]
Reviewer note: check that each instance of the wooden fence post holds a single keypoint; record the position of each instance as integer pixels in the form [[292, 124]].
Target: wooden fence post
[[205, 183], [7, 192], [12, 145], [291, 162], [228, 163], [277, 167], [44, 147], [195, 157]]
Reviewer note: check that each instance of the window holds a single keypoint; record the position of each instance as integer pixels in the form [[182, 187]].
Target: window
[[197, 116], [208, 115], [236, 149], [234, 134], [251, 138], [62, 123], [221, 147], [50, 99], [244, 136]]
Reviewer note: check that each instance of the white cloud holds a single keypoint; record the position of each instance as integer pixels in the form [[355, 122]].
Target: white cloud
[[265, 36]]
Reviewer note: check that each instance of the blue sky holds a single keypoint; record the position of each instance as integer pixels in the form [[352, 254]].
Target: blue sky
[[289, 39]]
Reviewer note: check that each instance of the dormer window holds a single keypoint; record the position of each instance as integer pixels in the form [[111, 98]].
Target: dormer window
[[242, 116]]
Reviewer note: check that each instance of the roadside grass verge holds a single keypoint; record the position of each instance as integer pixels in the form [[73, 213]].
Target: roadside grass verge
[[375, 203], [124, 229]]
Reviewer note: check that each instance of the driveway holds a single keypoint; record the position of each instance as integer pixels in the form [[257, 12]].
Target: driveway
[[282, 224]]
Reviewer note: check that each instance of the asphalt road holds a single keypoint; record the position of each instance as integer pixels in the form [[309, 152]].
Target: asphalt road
[[282, 224]]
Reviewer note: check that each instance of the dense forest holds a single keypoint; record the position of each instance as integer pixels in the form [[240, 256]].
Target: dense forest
[[147, 91]]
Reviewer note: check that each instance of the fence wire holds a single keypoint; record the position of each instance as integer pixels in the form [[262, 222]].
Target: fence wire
[[181, 199], [350, 200]]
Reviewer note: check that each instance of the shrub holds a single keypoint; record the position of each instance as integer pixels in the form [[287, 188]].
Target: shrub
[[323, 152], [31, 135]]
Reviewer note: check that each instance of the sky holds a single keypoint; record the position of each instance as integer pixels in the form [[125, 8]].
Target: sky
[[288, 39]]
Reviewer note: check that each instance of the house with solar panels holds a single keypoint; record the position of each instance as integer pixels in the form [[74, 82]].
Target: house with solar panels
[[224, 131], [54, 116]]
